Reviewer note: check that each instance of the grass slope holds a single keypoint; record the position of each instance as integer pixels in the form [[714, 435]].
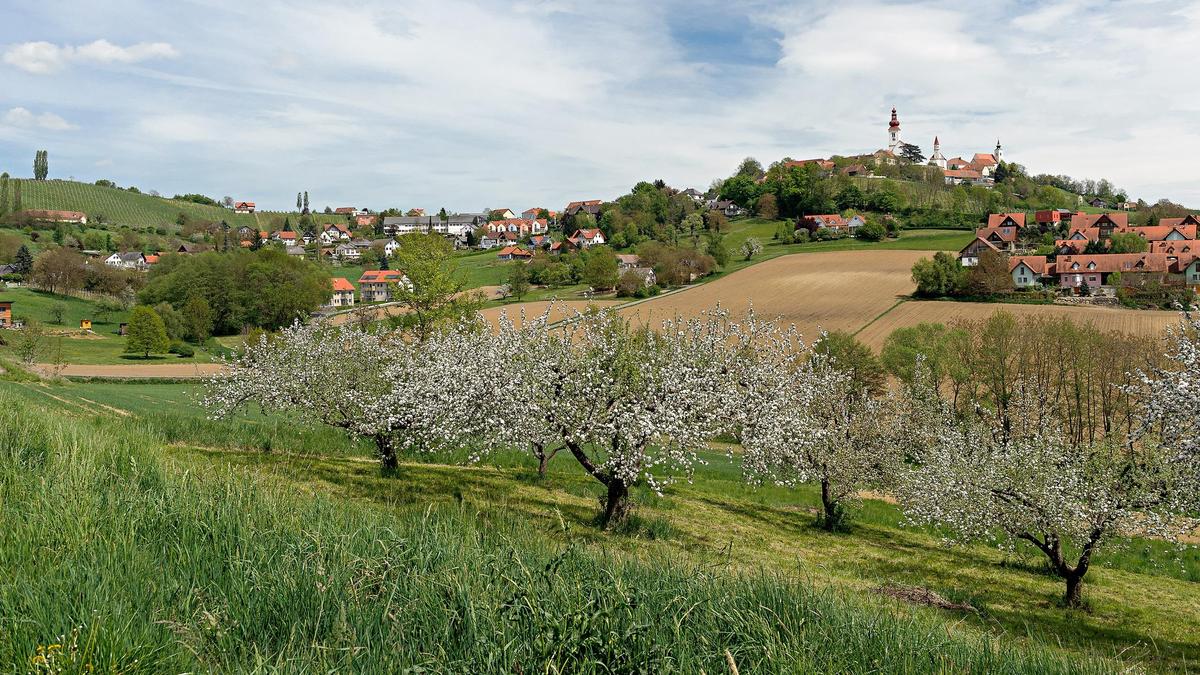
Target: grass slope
[[120, 556], [120, 206], [748, 545]]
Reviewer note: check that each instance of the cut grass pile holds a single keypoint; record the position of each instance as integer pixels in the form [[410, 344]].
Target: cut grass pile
[[121, 558]]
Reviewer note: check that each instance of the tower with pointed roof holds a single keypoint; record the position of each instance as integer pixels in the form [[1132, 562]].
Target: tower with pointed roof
[[998, 154], [894, 141], [937, 158]]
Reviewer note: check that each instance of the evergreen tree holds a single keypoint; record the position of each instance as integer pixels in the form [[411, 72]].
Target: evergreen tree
[[299, 202], [306, 202], [23, 262], [287, 224]]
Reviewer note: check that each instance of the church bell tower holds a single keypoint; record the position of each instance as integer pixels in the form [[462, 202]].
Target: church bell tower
[[894, 141]]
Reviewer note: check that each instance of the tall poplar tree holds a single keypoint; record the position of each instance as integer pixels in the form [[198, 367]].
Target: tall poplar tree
[[3, 193]]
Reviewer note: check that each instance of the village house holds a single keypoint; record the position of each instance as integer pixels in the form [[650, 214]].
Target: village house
[[502, 214], [334, 232], [856, 170], [540, 241], [365, 220], [1003, 239], [519, 226], [1030, 270], [343, 292], [728, 207], [344, 210], [493, 239], [645, 273], [52, 216], [693, 193], [1160, 232], [514, 253], [1106, 223], [376, 285], [591, 206], [389, 246], [960, 176], [288, 238], [628, 261], [996, 220], [1093, 271], [243, 207], [969, 255], [1070, 246], [586, 238], [831, 221], [6, 317], [1174, 248], [295, 251], [131, 260], [1189, 266], [347, 253], [1049, 218]]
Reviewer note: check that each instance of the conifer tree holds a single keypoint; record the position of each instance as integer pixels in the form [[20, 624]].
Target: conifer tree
[[298, 202], [23, 263], [306, 202]]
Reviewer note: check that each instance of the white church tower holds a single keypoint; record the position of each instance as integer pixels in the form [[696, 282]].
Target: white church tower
[[937, 158], [998, 154], [894, 141]]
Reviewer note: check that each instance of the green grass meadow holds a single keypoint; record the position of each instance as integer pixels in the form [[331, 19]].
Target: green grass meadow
[[273, 546]]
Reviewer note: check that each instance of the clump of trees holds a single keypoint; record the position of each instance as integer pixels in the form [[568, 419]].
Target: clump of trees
[[265, 288]]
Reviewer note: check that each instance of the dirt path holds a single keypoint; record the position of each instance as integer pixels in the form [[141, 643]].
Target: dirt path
[[134, 371]]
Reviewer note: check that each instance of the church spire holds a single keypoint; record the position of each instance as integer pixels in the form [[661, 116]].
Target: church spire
[[894, 142]]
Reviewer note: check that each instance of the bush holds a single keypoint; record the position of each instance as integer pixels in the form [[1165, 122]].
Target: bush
[[183, 349], [871, 231], [802, 236]]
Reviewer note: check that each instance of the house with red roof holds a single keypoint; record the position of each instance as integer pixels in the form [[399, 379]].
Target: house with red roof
[[243, 207], [1106, 222], [288, 238], [960, 176], [334, 232], [343, 292], [1160, 232], [831, 221], [1016, 220], [586, 238], [1052, 217], [969, 255], [1189, 219], [1189, 267], [1030, 270], [344, 210], [1075, 271], [1175, 248], [514, 253], [377, 285], [365, 220]]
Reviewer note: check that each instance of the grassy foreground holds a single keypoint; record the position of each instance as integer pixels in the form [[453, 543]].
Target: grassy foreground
[[124, 554]]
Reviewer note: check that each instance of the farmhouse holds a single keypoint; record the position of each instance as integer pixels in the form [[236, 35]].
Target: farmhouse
[[998, 220], [514, 253], [243, 207], [1189, 267], [1029, 270], [288, 238], [831, 221], [6, 320], [334, 232], [131, 260], [591, 206], [1075, 271], [376, 285], [628, 261], [493, 239], [343, 292], [969, 255], [52, 216], [1104, 222]]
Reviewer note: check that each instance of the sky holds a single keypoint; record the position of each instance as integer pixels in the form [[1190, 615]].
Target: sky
[[473, 104]]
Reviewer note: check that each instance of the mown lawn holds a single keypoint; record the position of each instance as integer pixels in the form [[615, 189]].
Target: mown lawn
[[1144, 608]]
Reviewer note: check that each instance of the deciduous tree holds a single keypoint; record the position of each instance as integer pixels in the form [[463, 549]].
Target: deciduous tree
[[147, 333]]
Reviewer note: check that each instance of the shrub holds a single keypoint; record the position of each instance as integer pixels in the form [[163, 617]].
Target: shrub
[[183, 349]]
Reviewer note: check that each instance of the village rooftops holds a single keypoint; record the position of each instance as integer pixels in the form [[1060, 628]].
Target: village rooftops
[[1036, 263], [341, 284], [1100, 219], [380, 276], [1006, 219], [1107, 263]]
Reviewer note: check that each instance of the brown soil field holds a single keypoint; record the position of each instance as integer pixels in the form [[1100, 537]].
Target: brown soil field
[[840, 290], [173, 371], [859, 291], [1139, 322]]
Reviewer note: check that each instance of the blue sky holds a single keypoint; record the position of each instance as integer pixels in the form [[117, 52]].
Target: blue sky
[[486, 104]]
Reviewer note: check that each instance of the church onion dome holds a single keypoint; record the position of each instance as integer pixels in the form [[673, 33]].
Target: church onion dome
[[895, 123]]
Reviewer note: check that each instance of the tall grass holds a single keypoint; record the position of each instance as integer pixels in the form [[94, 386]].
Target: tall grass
[[117, 559]]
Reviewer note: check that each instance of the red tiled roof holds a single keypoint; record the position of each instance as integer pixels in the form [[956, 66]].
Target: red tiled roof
[[516, 251], [1088, 233], [1112, 262], [1077, 246], [342, 284], [962, 173], [1005, 234], [1037, 263], [1175, 246], [1048, 216], [1158, 232], [344, 210], [151, 259], [590, 233], [380, 276], [1095, 219], [998, 219], [240, 205], [1189, 219]]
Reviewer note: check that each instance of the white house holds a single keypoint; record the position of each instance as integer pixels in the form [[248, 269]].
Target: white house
[[334, 232], [343, 293], [389, 246], [376, 285], [126, 261], [590, 237]]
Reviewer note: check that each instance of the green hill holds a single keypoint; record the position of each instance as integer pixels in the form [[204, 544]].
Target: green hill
[[119, 206]]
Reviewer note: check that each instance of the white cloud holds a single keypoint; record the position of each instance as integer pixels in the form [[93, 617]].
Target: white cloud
[[41, 58], [24, 118]]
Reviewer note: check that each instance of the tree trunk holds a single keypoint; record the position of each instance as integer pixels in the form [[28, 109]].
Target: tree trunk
[[1074, 584], [389, 464], [616, 503], [543, 457], [833, 516]]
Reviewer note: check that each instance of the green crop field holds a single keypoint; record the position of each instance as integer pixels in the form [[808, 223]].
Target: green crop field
[[120, 206], [274, 546]]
